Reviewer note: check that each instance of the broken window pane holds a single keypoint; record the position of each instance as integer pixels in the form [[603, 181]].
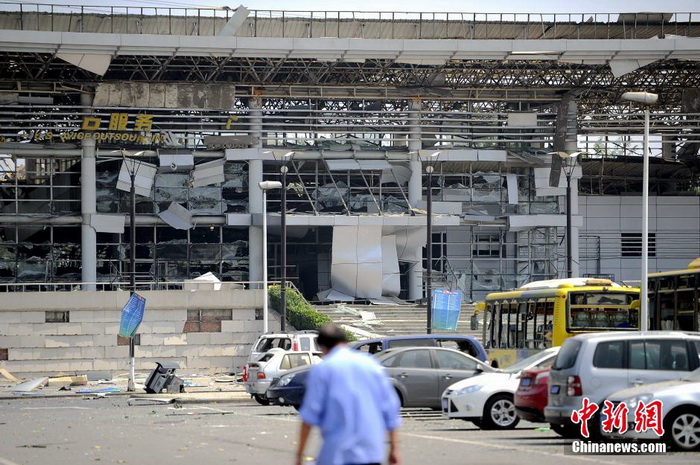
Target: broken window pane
[[205, 201]]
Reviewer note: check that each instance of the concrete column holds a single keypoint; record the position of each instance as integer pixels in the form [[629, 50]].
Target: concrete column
[[575, 266], [88, 189], [255, 195], [415, 183], [415, 191], [570, 146]]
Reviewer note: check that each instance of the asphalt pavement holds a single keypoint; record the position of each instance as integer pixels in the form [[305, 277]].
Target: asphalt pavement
[[111, 430]]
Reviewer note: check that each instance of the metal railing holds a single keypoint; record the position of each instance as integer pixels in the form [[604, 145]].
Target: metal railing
[[124, 286], [102, 286], [347, 24]]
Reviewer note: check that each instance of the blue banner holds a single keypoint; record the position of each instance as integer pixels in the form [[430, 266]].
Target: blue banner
[[132, 315], [446, 309]]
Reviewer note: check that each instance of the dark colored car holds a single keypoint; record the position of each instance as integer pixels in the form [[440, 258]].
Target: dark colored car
[[467, 344], [531, 396], [289, 389]]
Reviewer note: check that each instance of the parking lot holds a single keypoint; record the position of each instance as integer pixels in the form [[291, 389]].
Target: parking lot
[[109, 430]]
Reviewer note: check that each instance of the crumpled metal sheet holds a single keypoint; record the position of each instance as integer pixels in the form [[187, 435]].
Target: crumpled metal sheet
[[108, 223], [356, 264], [143, 181], [391, 279], [409, 242], [177, 216], [208, 173]]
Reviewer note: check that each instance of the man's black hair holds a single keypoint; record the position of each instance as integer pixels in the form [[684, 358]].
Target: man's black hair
[[331, 335]]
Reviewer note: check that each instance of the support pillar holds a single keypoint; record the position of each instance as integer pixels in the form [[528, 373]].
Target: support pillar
[[255, 196], [415, 191], [571, 146], [88, 199]]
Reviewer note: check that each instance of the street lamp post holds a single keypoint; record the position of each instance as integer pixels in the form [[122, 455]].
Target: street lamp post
[[429, 240], [283, 240], [283, 246], [266, 186], [283, 234], [568, 165], [131, 385], [131, 382], [429, 251], [646, 99]]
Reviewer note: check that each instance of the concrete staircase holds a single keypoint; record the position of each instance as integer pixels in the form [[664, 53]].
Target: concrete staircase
[[394, 320]]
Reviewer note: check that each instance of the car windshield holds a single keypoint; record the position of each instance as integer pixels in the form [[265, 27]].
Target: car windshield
[[693, 376], [522, 364], [566, 358]]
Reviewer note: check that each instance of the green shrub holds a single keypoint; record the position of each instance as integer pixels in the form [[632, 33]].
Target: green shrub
[[300, 313]]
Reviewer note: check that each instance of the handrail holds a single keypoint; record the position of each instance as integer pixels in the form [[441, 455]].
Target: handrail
[[348, 24], [102, 286]]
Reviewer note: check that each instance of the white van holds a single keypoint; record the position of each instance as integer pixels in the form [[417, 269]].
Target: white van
[[296, 341], [599, 364]]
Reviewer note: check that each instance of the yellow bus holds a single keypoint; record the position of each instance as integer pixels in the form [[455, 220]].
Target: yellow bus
[[543, 314], [674, 299]]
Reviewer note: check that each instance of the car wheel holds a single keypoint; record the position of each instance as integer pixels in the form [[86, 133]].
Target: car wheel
[[499, 413], [683, 429], [261, 399], [566, 431]]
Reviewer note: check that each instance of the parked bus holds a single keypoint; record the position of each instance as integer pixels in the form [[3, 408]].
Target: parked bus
[[543, 314], [674, 299]]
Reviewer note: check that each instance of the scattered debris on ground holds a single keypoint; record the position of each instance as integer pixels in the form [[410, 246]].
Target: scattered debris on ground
[[80, 380], [29, 386]]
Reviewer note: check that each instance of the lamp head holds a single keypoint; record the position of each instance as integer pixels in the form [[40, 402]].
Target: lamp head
[[424, 155], [277, 154], [566, 155], [646, 98], [269, 185]]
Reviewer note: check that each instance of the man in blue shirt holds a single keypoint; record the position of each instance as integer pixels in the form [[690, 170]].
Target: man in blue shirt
[[352, 401]]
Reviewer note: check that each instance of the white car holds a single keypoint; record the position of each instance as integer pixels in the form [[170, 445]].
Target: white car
[[487, 400], [680, 410], [274, 364]]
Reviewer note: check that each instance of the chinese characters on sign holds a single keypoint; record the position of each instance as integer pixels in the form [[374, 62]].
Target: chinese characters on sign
[[131, 128], [119, 130], [647, 416]]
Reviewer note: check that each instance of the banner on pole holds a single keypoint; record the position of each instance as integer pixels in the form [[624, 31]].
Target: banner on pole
[[447, 305], [132, 314]]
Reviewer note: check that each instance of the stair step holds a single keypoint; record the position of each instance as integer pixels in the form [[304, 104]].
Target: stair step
[[396, 319]]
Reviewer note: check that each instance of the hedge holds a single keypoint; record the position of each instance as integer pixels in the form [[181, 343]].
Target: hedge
[[300, 313]]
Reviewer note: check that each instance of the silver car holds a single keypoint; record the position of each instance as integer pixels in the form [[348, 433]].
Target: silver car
[[594, 366], [421, 374], [680, 412], [271, 365]]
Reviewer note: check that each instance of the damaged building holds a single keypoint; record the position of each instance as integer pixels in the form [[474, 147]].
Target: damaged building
[[355, 124]]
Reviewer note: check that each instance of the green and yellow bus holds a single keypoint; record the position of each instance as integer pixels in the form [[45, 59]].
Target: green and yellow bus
[[674, 299], [543, 314]]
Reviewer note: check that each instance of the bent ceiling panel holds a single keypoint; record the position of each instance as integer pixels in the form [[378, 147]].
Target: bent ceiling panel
[[97, 64]]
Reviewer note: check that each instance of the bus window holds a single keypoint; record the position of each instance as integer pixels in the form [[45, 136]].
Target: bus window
[[601, 310], [580, 319], [675, 298]]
